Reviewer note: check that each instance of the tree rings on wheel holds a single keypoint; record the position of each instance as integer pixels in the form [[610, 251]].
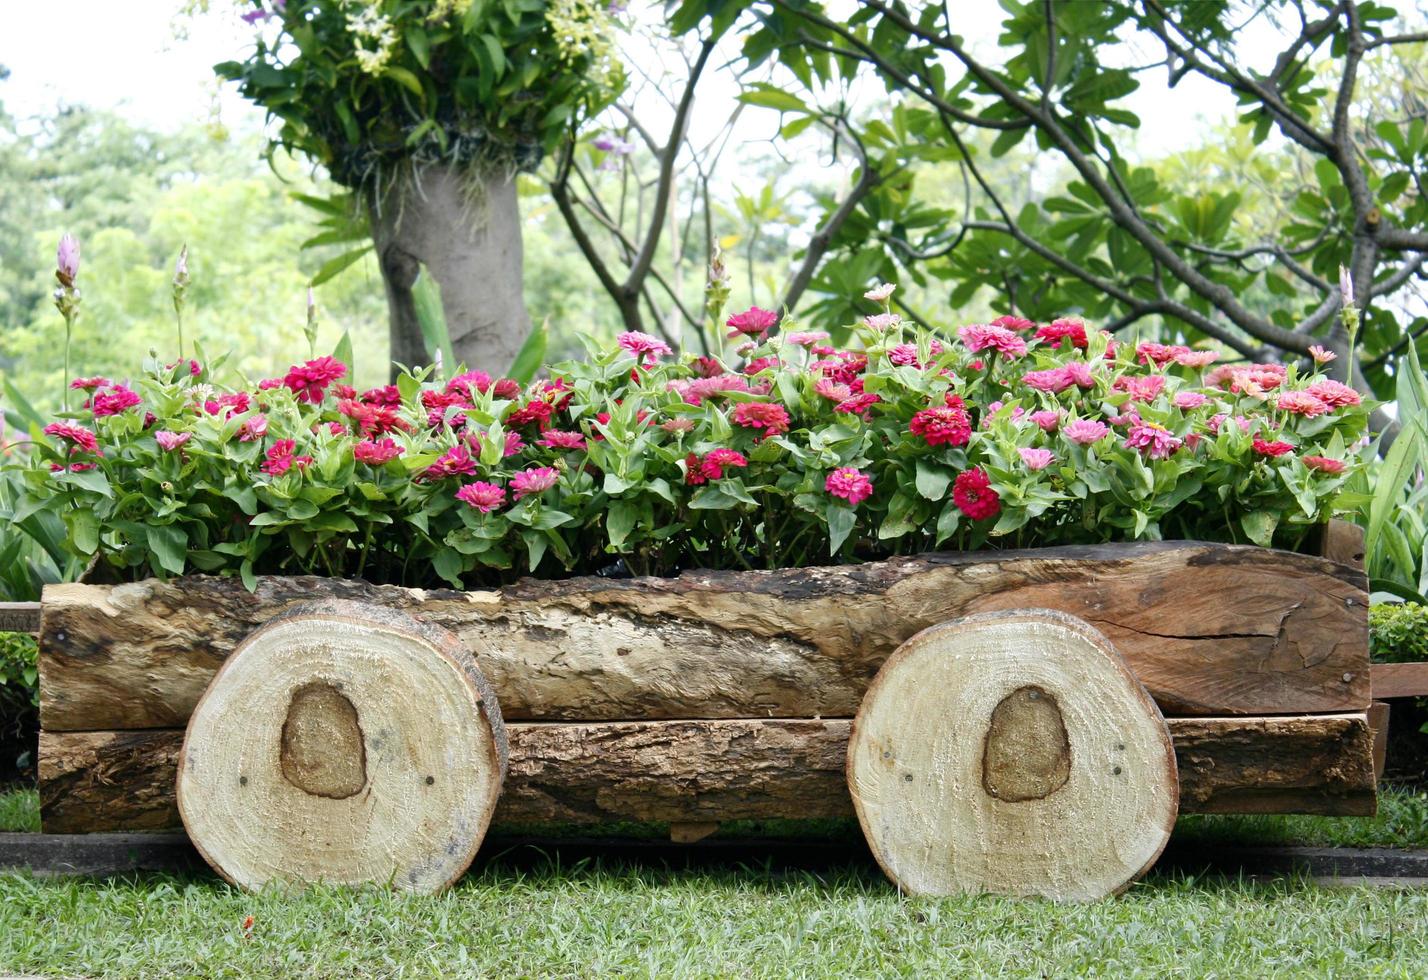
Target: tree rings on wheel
[[1012, 753], [343, 743]]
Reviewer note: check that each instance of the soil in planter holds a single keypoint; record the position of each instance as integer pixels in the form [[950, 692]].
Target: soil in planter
[[1407, 762], [19, 738]]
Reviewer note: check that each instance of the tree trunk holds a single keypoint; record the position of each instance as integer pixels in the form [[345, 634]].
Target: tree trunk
[[730, 769], [1012, 753], [466, 229], [347, 744]]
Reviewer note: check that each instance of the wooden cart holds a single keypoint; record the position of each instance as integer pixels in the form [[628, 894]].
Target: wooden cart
[[1026, 722]]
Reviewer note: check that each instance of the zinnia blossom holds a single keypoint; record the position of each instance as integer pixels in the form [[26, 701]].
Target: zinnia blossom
[[280, 458], [1058, 330], [1265, 448], [1047, 419], [485, 497], [1323, 464], [387, 396], [949, 426], [1152, 440], [1036, 459], [1303, 403], [376, 453], [1197, 358], [850, 484], [881, 293], [1019, 323], [1335, 394], [753, 322], [1085, 431], [1052, 380], [1142, 388], [169, 441], [456, 461], [82, 438], [1160, 355], [882, 322], [254, 427], [1321, 355], [712, 466], [556, 439], [973, 494], [858, 404], [979, 337], [113, 401], [647, 348], [1188, 399], [533, 481], [309, 381], [773, 419], [806, 338], [89, 384]]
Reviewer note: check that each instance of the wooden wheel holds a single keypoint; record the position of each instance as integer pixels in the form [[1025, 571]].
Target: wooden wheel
[[1013, 753], [343, 743]]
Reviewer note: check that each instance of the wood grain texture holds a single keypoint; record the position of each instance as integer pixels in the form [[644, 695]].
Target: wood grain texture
[[693, 771], [1012, 753], [1406, 680], [343, 743], [1208, 629]]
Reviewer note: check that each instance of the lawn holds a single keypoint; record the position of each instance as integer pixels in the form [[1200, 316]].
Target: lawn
[[528, 914]]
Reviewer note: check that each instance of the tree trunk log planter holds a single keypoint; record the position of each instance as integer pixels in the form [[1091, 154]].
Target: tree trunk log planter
[[1229, 678]]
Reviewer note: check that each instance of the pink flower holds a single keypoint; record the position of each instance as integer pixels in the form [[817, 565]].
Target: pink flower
[[979, 337], [485, 497], [1085, 431], [113, 401], [1058, 330], [456, 461], [1321, 355], [679, 424], [973, 494], [309, 381], [387, 396], [806, 338], [712, 466], [760, 364], [556, 439], [858, 404], [89, 384], [1188, 399], [169, 441], [1019, 323], [230, 405], [905, 355], [753, 322], [376, 453], [514, 444], [832, 390], [1051, 380], [1152, 440], [1277, 448], [1323, 464], [253, 427], [83, 439], [695, 391], [1142, 388], [1334, 393], [850, 484], [280, 458], [1047, 419], [535, 412], [1197, 358], [1160, 354], [1304, 403], [67, 259], [532, 481], [881, 293], [1080, 374], [882, 322], [947, 426], [1036, 459], [773, 419], [648, 349]]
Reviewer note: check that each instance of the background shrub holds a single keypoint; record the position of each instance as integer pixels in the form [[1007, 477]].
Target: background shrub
[[1398, 632]]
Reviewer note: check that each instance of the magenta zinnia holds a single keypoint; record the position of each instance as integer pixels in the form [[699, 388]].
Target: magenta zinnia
[[485, 497], [535, 480], [851, 484]]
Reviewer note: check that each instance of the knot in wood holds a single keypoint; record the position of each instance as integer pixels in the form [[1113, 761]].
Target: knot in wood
[[321, 751], [1026, 755]]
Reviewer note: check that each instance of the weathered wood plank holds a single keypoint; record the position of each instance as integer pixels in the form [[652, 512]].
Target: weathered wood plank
[[696, 771], [1343, 542], [1408, 680], [19, 617], [1209, 630]]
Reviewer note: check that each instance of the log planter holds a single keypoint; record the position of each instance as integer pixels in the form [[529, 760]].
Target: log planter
[[1023, 722]]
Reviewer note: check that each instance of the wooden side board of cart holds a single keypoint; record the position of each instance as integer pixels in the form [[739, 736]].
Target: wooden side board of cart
[[1024, 722]]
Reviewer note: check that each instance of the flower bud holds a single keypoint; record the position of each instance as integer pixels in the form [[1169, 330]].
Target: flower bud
[[67, 260]]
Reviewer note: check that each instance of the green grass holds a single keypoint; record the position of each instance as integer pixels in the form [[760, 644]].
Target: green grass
[[20, 810], [514, 917]]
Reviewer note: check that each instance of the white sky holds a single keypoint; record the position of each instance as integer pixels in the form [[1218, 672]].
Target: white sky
[[123, 55]]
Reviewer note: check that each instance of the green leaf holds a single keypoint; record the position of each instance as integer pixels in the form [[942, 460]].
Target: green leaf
[[431, 318], [1393, 475], [620, 521], [343, 353], [83, 530], [168, 542], [332, 267], [531, 357], [448, 564], [841, 521], [406, 79], [932, 480], [765, 95], [1259, 526]]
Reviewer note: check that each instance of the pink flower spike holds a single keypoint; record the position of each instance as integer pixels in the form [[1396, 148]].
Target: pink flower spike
[[485, 497], [169, 441], [850, 484], [533, 481], [1036, 459]]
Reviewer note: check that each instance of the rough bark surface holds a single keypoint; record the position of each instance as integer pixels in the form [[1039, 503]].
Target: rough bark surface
[[467, 231], [1012, 753], [1208, 629], [693, 771], [347, 744]]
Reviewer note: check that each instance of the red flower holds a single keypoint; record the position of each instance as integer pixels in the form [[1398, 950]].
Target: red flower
[[83, 439], [850, 484], [469, 385], [693, 471], [948, 426], [754, 322], [113, 401], [438, 405], [556, 439], [1334, 394], [760, 364], [456, 461], [281, 458], [371, 420], [858, 404], [485, 497], [1058, 330], [973, 494], [1013, 323], [714, 463], [89, 384], [376, 453], [1323, 464], [534, 411], [309, 381], [386, 396], [1272, 449], [773, 419]]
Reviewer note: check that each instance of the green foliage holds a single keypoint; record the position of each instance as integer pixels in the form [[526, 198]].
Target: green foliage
[[1398, 632], [19, 672], [793, 459], [367, 88]]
